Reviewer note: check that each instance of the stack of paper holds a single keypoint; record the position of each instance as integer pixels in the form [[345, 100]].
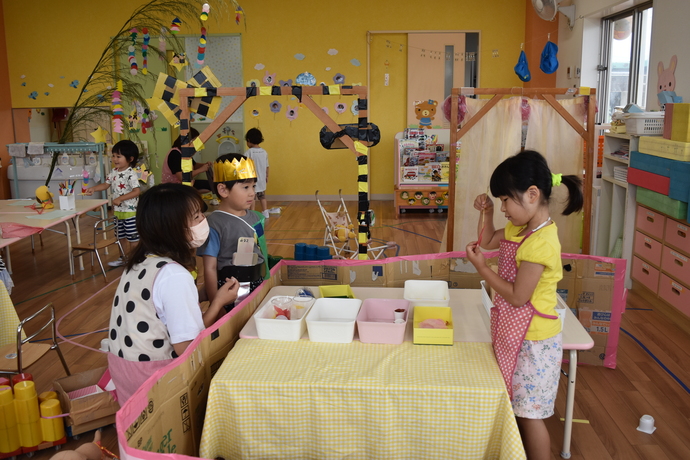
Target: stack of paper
[[620, 173]]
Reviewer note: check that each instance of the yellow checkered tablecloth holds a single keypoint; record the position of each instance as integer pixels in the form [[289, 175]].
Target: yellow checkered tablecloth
[[308, 400], [8, 318]]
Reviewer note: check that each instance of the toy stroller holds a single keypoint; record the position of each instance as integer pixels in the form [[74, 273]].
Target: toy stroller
[[341, 235]]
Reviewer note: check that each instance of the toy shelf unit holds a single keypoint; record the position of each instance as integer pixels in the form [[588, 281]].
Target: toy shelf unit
[[31, 171], [615, 219], [422, 169]]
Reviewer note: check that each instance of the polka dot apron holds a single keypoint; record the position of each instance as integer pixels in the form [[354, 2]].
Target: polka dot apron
[[139, 341], [509, 324]]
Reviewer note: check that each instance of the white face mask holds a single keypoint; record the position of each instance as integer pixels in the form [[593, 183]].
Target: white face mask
[[199, 234]]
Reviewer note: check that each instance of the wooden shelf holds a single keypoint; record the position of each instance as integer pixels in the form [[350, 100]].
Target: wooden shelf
[[615, 182], [617, 135], [618, 159]]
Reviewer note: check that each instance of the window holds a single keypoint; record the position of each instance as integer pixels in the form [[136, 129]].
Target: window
[[624, 69]]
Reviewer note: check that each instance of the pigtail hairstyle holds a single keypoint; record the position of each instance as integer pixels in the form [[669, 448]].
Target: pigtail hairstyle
[[163, 216], [516, 174], [229, 184]]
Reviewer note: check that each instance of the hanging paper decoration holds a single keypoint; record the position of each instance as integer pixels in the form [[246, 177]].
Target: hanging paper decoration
[[145, 51], [275, 106], [340, 107], [205, 9], [202, 47], [133, 121], [255, 113], [355, 107], [132, 61], [286, 82], [325, 110], [162, 46], [339, 79], [291, 113], [306, 79], [253, 82], [269, 78], [175, 26], [178, 61], [238, 14], [118, 111]]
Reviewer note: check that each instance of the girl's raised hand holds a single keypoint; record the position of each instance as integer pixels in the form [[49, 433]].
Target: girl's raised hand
[[483, 203], [474, 255]]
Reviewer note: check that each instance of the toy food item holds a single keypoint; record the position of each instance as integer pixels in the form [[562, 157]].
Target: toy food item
[[433, 323]]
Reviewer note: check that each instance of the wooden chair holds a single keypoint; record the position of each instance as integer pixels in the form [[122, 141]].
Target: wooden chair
[[104, 235], [15, 357]]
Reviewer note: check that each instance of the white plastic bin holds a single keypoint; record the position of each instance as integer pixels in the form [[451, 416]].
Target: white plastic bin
[[333, 320], [269, 328], [426, 293]]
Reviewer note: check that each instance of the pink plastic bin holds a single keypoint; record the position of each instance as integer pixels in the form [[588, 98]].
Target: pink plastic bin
[[375, 321]]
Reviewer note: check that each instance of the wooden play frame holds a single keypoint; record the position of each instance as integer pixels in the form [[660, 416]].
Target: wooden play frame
[[304, 95], [549, 95]]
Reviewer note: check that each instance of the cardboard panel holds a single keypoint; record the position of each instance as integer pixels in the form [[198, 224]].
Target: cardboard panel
[[299, 275], [88, 412], [404, 268]]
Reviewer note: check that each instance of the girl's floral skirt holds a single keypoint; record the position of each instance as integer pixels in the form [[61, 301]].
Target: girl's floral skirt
[[535, 382]]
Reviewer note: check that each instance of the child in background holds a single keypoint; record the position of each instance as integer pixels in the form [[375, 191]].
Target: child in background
[[525, 329], [125, 191], [155, 313], [260, 158], [231, 224]]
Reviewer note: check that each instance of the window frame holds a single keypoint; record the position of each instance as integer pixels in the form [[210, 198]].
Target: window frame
[[604, 66]]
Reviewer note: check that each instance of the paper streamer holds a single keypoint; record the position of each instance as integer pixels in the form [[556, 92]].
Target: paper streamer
[[175, 26], [162, 45], [118, 112], [145, 51], [202, 47], [133, 68], [205, 9]]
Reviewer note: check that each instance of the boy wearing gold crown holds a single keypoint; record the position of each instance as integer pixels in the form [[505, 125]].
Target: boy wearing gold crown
[[235, 246]]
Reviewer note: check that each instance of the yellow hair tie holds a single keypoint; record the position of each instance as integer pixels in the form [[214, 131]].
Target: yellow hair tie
[[556, 179]]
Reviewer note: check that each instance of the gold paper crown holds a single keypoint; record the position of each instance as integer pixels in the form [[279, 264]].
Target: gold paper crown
[[236, 170]]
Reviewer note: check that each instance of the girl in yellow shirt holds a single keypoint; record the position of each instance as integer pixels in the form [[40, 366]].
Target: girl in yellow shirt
[[525, 329]]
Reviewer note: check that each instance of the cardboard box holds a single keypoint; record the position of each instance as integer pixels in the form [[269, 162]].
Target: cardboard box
[[314, 274], [89, 412], [598, 324], [566, 289], [463, 275], [594, 356], [366, 275], [399, 271]]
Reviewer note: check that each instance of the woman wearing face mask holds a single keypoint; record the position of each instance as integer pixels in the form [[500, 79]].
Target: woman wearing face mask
[[156, 313]]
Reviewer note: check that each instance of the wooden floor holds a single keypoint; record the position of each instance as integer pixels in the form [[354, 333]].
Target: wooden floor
[[652, 376]]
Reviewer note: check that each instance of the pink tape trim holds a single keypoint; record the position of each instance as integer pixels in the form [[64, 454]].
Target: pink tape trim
[[131, 409]]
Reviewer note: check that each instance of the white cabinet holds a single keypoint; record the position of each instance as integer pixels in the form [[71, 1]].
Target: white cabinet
[[616, 211]]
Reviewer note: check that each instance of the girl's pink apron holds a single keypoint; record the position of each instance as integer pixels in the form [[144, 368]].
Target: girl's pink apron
[[128, 376], [509, 324], [167, 177]]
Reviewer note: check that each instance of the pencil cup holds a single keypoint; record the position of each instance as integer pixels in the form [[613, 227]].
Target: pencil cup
[[67, 203]]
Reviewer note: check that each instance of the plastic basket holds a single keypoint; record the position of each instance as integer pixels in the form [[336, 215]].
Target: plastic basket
[[644, 124]]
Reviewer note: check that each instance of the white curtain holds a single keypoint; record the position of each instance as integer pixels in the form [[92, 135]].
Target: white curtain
[[494, 138], [549, 134]]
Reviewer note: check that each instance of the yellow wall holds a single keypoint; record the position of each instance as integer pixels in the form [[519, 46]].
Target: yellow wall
[[47, 40]]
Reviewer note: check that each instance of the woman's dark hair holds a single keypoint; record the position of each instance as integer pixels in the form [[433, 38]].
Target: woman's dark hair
[[229, 184], [162, 217], [516, 174], [129, 150], [254, 136], [178, 142]]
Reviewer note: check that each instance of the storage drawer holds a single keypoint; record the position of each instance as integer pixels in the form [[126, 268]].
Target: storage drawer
[[647, 248], [650, 222], [646, 274], [677, 234], [676, 264], [674, 293]]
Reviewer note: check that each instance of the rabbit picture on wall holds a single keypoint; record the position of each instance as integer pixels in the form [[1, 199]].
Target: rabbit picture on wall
[[667, 77]]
